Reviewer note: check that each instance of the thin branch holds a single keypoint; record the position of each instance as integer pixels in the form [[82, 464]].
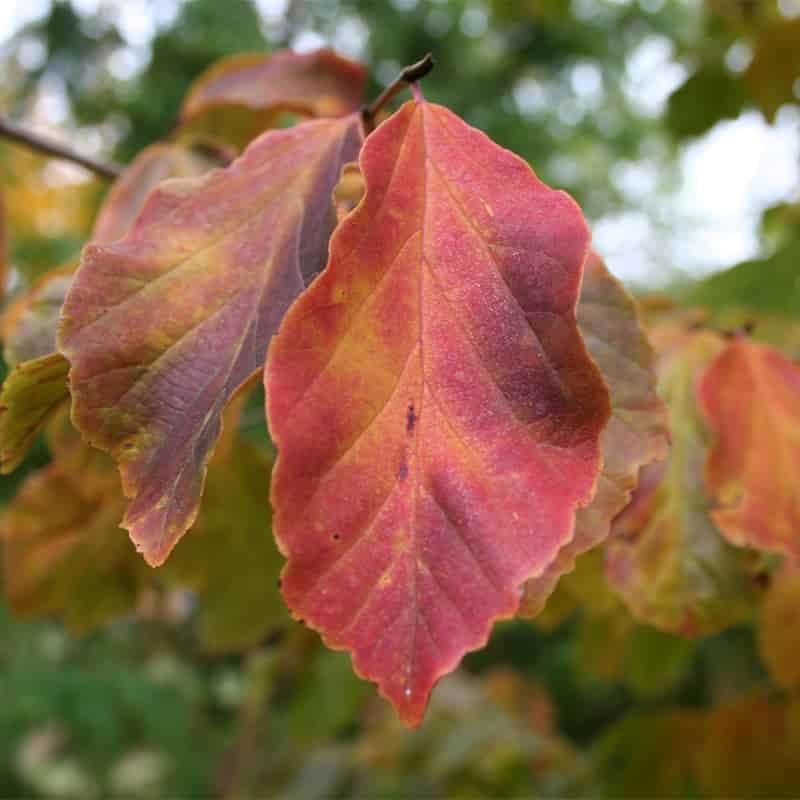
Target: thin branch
[[16, 133], [409, 75]]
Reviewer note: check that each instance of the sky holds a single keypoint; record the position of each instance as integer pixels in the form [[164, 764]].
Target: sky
[[728, 177]]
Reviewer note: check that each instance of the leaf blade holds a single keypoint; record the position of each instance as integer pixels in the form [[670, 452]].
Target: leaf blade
[[206, 273], [429, 398], [636, 434], [750, 395]]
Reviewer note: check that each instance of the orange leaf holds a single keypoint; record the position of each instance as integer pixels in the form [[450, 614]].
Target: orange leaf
[[241, 96], [63, 551], [779, 631], [750, 395], [436, 414], [163, 327]]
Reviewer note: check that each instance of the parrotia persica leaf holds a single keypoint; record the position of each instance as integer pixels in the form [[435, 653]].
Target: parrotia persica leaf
[[750, 395], [665, 557], [775, 66], [229, 557], [636, 433], [162, 327], [436, 414], [37, 384], [31, 393], [779, 631], [29, 325], [128, 194], [3, 245], [241, 96], [63, 552]]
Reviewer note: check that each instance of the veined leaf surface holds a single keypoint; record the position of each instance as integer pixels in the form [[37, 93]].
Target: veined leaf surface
[[636, 433], [750, 395], [163, 326], [127, 196], [436, 414], [37, 384]]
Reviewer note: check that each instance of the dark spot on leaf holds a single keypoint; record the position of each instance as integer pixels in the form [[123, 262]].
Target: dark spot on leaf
[[762, 579], [335, 537], [411, 418], [402, 473]]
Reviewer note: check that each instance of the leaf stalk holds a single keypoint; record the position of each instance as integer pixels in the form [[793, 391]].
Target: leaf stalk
[[408, 76]]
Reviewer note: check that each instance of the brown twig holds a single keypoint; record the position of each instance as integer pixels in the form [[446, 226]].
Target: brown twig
[[410, 74], [16, 133]]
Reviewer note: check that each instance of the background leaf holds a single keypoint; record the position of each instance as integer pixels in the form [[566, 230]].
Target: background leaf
[[636, 433], [750, 395]]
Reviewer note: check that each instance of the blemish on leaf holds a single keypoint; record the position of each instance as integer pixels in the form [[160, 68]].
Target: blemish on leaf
[[402, 473], [411, 418]]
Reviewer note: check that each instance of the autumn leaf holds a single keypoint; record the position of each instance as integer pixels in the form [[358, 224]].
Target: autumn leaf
[[241, 96], [636, 433], [348, 192], [649, 754], [31, 394], [63, 551], [665, 557], [779, 631], [749, 748], [28, 326], [775, 67], [127, 196], [162, 327], [436, 414], [750, 395], [37, 384], [3, 246], [230, 559]]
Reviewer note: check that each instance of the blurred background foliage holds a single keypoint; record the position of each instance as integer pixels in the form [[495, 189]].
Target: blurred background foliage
[[603, 98]]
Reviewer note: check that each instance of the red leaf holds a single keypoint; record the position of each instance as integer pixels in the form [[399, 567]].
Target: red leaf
[[436, 414], [750, 395], [163, 327]]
